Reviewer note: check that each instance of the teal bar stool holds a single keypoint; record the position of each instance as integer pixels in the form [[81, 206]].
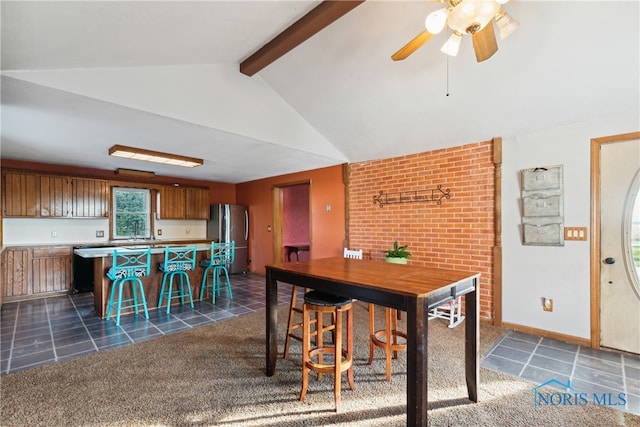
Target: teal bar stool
[[222, 255], [129, 265], [178, 261]]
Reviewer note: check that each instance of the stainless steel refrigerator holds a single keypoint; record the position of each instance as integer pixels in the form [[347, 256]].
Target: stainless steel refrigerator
[[230, 223]]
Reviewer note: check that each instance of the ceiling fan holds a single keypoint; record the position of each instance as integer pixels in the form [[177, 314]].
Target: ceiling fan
[[473, 17]]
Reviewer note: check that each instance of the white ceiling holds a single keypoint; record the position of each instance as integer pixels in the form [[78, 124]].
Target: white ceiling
[[81, 76]]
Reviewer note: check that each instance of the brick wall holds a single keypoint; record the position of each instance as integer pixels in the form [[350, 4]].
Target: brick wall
[[457, 234]]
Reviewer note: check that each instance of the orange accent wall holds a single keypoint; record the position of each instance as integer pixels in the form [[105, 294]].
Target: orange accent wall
[[327, 228], [456, 234], [219, 192]]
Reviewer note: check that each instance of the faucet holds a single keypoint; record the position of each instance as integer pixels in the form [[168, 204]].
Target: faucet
[[135, 230]]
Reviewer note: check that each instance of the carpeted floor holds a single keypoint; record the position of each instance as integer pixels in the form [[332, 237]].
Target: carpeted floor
[[214, 376]]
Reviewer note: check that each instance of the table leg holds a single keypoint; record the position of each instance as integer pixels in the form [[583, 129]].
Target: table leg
[[417, 363], [472, 341], [271, 324]]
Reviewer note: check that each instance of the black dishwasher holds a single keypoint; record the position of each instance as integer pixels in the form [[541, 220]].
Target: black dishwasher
[[82, 274]]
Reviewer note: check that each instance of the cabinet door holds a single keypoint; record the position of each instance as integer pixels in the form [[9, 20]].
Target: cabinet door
[[89, 198], [51, 270], [172, 202], [54, 196], [21, 194], [197, 203], [16, 272]]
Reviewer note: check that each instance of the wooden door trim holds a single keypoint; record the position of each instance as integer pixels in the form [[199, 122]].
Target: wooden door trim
[[278, 218], [497, 244], [596, 145]]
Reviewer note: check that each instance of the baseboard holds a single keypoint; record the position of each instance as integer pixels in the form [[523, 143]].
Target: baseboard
[[586, 342]]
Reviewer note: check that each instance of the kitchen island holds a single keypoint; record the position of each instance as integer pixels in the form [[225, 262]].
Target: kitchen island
[[103, 260]]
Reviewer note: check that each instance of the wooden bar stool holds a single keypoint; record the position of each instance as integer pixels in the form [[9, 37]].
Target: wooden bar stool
[[292, 324], [390, 338], [342, 359]]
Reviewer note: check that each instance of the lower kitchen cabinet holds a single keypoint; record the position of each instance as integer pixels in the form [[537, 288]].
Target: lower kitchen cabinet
[[35, 271], [51, 270], [16, 272]]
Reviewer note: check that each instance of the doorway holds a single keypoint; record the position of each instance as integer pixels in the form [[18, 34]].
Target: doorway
[[615, 246], [292, 222]]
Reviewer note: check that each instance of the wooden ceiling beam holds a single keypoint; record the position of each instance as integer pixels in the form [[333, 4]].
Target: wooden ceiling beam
[[320, 17]]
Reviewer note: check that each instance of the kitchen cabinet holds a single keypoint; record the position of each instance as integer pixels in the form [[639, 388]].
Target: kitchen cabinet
[[35, 271], [183, 202], [51, 269], [173, 202], [197, 203], [54, 196], [44, 196], [16, 272], [89, 198], [21, 194]]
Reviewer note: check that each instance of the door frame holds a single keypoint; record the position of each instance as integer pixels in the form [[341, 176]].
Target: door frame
[[278, 218], [596, 256]]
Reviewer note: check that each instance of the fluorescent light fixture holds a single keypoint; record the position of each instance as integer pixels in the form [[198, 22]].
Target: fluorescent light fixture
[[154, 156]]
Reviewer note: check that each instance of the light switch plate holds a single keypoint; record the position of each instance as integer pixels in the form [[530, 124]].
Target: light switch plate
[[575, 233]]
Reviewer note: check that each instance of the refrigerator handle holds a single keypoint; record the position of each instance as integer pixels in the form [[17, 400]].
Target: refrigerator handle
[[246, 225]]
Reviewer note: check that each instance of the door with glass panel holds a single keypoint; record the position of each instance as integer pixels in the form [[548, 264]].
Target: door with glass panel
[[620, 245]]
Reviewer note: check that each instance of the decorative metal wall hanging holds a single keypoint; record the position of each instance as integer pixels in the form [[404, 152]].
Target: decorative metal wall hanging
[[426, 195], [542, 206]]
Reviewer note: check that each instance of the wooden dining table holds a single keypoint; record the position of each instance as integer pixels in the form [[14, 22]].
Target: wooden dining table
[[411, 288]]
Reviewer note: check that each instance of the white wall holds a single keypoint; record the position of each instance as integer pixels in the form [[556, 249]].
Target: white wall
[[559, 272], [30, 231]]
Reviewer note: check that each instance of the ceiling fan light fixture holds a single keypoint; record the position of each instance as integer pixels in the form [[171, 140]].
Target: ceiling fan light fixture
[[452, 45], [470, 16], [436, 20], [506, 24]]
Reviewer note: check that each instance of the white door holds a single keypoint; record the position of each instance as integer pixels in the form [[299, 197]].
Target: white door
[[619, 241]]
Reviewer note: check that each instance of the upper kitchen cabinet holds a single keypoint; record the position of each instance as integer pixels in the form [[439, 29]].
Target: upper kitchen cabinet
[[173, 202], [21, 194], [197, 203], [183, 202], [89, 198], [44, 196], [54, 196]]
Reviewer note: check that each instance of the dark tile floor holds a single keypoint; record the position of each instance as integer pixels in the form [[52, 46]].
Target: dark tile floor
[[586, 370], [40, 332]]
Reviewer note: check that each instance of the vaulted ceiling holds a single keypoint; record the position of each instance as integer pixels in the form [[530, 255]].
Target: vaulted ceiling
[[81, 76]]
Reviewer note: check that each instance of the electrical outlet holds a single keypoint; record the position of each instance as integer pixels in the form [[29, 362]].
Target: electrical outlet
[[99, 233], [547, 304], [54, 234], [159, 233]]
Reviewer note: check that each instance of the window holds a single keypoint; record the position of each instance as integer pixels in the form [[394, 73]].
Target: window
[[132, 213]]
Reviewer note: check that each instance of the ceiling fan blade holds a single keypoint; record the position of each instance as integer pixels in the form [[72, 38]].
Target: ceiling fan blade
[[412, 46], [484, 42]]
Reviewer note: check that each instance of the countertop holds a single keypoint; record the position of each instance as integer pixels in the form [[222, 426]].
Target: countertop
[[107, 251]]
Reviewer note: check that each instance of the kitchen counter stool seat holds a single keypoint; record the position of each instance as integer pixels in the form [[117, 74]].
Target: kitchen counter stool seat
[[177, 263], [342, 359], [222, 254], [127, 269]]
